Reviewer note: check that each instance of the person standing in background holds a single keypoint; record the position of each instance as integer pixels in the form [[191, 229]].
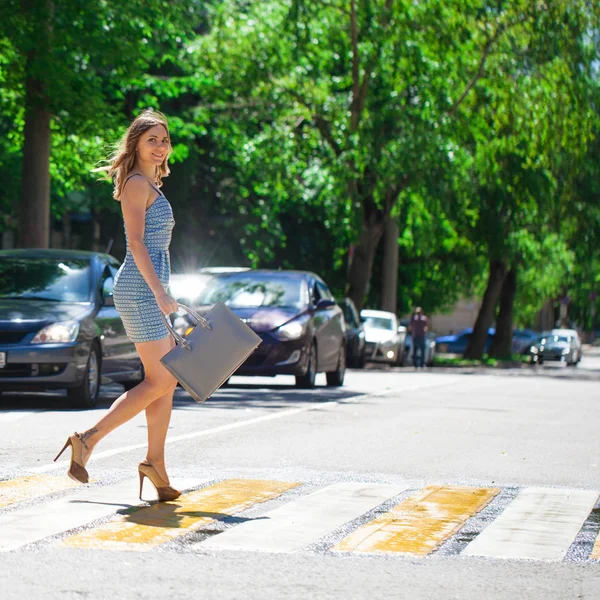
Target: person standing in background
[[418, 328]]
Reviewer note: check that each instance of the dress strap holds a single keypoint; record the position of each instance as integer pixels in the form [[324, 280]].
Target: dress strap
[[156, 188]]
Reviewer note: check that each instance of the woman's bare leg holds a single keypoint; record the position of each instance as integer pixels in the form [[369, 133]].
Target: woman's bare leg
[[158, 383], [158, 416]]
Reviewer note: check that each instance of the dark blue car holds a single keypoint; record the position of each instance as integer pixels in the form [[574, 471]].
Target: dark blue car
[[58, 324], [457, 343]]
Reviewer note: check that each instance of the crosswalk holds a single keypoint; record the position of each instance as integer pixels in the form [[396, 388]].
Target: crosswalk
[[336, 518]]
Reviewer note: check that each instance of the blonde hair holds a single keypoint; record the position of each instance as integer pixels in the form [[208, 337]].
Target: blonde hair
[[123, 158]]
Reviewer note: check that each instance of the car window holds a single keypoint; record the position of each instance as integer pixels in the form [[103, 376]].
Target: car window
[[323, 291], [108, 279], [51, 279], [245, 291], [380, 323]]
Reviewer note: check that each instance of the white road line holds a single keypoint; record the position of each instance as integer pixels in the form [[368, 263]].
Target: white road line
[[249, 422], [539, 524], [11, 416], [51, 518], [303, 521]]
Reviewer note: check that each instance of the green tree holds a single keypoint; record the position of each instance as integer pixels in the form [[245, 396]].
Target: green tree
[[70, 67], [529, 114]]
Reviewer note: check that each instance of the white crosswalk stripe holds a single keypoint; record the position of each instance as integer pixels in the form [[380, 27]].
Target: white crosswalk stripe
[[540, 524], [303, 521], [32, 524]]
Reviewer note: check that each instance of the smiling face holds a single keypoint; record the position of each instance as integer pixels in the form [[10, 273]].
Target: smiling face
[[154, 146]]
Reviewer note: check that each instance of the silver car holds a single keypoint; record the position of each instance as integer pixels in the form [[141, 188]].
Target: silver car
[[384, 336], [558, 345]]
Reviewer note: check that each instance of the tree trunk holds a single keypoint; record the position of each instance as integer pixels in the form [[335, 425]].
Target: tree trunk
[[389, 288], [362, 262], [476, 346], [34, 226], [502, 344]]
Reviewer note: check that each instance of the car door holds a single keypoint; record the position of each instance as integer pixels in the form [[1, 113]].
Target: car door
[[331, 331], [119, 355]]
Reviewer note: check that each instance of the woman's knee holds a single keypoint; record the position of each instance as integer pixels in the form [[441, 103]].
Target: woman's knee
[[164, 384]]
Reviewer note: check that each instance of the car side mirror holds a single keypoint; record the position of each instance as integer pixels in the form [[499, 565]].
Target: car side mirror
[[324, 303]]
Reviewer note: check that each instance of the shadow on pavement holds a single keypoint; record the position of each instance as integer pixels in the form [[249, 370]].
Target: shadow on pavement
[[234, 396]]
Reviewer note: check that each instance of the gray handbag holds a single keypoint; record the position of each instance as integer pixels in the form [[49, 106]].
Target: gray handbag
[[207, 356]]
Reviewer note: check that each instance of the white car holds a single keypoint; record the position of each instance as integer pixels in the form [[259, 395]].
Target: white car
[[562, 345], [384, 337]]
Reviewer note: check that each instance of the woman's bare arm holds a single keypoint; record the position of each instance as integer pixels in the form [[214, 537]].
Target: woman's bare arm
[[133, 201]]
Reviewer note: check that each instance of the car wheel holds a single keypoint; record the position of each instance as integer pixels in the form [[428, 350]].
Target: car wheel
[[360, 361], [307, 381], [85, 395], [336, 378]]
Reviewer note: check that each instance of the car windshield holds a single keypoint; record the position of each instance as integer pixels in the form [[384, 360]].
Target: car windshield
[[244, 291], [555, 338], [52, 279], [379, 323]]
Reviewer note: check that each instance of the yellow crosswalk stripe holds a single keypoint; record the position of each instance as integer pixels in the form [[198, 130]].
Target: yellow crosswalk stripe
[[142, 529], [32, 486], [419, 524]]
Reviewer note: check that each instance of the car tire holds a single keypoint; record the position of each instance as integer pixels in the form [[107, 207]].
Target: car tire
[[399, 362], [307, 381], [336, 378], [86, 394], [361, 361]]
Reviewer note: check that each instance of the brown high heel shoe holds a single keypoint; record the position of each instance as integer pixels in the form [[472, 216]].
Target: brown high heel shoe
[[165, 492], [77, 472]]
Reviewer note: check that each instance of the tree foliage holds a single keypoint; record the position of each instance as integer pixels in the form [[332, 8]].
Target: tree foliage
[[300, 127]]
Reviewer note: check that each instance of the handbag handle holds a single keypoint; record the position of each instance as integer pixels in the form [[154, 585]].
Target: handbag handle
[[179, 339]]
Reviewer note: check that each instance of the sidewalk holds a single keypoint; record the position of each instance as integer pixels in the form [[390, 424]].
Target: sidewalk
[[589, 350]]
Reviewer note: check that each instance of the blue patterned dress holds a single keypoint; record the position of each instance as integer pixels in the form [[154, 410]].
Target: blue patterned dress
[[133, 297]]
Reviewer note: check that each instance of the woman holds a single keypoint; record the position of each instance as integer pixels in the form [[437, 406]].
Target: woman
[[140, 297]]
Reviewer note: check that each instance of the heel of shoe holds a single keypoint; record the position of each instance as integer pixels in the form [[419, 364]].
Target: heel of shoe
[[142, 475], [69, 443]]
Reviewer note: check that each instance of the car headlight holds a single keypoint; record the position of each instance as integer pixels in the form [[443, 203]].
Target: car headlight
[[565, 351], [290, 331], [533, 350], [57, 333]]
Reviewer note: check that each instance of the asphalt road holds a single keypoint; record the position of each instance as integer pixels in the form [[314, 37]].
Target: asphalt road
[[401, 484]]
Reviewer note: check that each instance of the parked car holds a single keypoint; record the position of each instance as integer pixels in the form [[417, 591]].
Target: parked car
[[430, 347], [559, 345], [219, 270], [187, 287], [457, 343], [355, 334], [384, 336], [523, 339], [59, 327], [295, 314]]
